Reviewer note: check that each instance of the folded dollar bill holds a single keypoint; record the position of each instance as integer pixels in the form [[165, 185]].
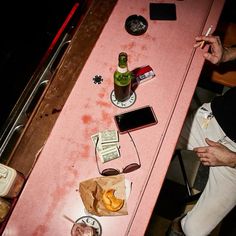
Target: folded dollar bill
[[108, 136], [109, 154], [107, 144]]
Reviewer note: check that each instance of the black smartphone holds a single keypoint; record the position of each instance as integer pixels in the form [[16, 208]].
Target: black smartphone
[[135, 119], [162, 11]]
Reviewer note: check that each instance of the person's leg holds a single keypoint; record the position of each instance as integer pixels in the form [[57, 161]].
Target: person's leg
[[197, 127], [217, 199], [219, 195]]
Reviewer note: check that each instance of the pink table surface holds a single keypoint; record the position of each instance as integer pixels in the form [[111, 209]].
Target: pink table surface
[[68, 155]]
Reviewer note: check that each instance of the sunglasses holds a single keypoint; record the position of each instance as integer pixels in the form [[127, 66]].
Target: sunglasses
[[112, 171]]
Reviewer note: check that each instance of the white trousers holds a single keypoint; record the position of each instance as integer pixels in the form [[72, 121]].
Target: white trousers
[[219, 195]]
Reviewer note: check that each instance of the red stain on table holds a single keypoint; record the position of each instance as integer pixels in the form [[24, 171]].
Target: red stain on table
[[103, 104], [106, 118], [86, 119], [101, 95], [84, 150], [40, 230], [149, 37], [143, 10], [128, 46]]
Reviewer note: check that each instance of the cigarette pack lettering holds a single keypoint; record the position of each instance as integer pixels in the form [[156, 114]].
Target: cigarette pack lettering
[[143, 73]]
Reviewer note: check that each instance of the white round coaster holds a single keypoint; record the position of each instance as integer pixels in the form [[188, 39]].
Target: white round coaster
[[124, 104]]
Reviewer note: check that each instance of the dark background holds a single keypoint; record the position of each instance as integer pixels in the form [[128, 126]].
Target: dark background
[[27, 30]]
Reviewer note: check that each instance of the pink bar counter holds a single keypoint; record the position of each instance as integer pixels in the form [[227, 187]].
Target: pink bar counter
[[68, 155]]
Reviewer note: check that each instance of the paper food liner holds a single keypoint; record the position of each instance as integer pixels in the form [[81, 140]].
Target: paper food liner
[[91, 192]]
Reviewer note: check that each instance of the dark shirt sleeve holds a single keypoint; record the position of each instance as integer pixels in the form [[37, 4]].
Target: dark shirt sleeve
[[224, 109]]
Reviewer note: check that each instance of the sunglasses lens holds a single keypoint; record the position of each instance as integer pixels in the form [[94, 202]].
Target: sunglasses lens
[[110, 171], [131, 167]]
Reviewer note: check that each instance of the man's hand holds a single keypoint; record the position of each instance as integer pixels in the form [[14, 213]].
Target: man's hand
[[216, 154], [215, 56]]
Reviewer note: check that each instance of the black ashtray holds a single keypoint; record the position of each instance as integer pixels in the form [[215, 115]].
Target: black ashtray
[[136, 25]]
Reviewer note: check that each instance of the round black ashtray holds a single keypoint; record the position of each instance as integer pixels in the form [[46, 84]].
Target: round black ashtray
[[136, 25]]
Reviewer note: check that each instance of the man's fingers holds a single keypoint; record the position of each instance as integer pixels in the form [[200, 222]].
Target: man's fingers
[[206, 161], [198, 44], [200, 149], [210, 57], [209, 39]]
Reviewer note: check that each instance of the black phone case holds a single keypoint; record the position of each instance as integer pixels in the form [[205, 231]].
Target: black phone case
[[162, 11], [135, 119]]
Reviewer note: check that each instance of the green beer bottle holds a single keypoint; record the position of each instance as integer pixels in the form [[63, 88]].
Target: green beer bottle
[[122, 79]]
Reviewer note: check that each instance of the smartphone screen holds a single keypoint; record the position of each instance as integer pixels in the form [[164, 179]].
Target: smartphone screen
[[135, 119]]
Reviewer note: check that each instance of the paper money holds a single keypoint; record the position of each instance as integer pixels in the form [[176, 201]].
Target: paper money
[[109, 154], [108, 136], [106, 144], [102, 146], [96, 142]]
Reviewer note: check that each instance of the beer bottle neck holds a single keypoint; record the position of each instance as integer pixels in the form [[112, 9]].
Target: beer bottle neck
[[122, 69]]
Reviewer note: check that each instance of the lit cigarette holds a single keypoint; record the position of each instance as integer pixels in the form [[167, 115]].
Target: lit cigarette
[[207, 33]]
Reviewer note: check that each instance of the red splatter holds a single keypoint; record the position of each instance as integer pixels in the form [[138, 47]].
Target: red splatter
[[40, 230], [101, 95], [94, 130], [87, 133], [57, 195], [103, 104], [143, 10], [149, 37], [84, 152], [112, 69], [129, 46], [73, 171], [86, 119], [106, 117]]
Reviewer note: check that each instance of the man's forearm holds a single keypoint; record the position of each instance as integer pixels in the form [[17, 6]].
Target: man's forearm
[[229, 54]]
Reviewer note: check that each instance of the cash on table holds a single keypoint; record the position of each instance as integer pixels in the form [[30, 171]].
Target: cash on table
[[107, 145]]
